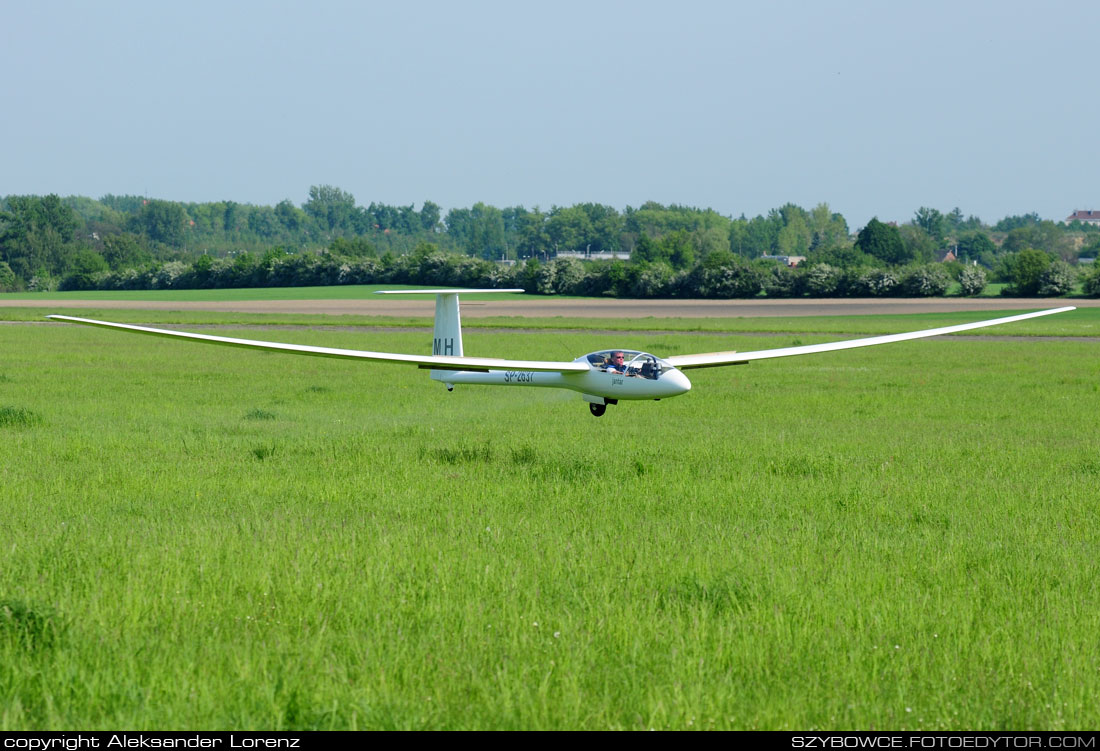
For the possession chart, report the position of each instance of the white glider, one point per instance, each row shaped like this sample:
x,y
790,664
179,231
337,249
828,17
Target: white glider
x,y
602,378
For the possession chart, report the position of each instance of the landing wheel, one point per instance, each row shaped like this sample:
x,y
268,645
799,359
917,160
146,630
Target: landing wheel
x,y
597,410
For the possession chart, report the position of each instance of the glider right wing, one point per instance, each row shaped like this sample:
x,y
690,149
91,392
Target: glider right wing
x,y
716,359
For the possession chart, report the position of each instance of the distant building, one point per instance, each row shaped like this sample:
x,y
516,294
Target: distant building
x,y
602,255
1085,217
946,256
790,261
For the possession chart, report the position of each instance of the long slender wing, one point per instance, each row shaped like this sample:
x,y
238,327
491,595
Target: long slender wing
x,y
715,359
430,362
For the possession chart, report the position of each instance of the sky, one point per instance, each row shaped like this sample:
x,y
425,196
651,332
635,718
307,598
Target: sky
x,y
876,108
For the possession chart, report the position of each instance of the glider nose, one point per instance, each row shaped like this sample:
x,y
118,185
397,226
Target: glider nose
x,y
676,382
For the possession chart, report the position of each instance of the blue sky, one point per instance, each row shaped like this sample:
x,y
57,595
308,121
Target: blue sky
x,y
874,107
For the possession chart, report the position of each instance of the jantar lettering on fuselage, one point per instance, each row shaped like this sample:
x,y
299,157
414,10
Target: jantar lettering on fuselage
x,y
443,346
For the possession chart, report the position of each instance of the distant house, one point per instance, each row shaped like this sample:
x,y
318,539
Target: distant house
x,y
603,255
946,256
1085,217
790,261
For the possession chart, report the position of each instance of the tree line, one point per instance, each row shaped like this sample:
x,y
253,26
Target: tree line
x,y
130,242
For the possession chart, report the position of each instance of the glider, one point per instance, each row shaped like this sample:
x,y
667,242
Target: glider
x,y
602,378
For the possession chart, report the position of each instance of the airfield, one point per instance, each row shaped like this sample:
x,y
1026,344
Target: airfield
x,y
549,307
898,537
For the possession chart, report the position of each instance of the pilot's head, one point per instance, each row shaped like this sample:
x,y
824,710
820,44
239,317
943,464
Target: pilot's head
x,y
616,358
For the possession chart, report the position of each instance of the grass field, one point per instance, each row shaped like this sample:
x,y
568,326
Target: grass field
x,y
1079,323
896,537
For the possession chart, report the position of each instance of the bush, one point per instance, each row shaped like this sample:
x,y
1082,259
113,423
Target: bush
x,y
881,282
875,283
783,281
561,276
931,280
169,275
1027,268
823,280
1092,282
652,280
8,280
731,277
1059,279
736,280
88,268
972,280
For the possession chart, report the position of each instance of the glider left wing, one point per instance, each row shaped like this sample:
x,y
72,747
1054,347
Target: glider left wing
x,y
430,362
716,359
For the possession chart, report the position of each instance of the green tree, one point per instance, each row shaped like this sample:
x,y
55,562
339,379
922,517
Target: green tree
x,y
919,245
531,237
570,229
1091,279
932,222
87,266
290,216
739,233
8,280
230,216
794,237
332,208
973,244
1010,223
1028,270
842,256
828,229
487,231
606,226
1045,235
430,214
478,230
762,235
882,242
357,247
648,250
125,251
163,222
37,235
263,222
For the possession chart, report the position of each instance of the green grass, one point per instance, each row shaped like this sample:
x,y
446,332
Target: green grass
x,y
202,537
1081,322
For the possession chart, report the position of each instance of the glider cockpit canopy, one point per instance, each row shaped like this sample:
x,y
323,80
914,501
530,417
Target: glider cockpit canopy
x,y
635,363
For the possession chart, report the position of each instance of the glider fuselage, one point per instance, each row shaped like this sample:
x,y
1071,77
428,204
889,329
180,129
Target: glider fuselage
x,y
658,380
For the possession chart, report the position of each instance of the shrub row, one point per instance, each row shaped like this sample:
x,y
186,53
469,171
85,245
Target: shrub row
x,y
722,277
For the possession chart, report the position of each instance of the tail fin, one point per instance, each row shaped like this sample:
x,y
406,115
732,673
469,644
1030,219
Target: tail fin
x,y
447,337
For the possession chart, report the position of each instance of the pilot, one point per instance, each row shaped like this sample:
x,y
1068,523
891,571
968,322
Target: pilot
x,y
616,364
